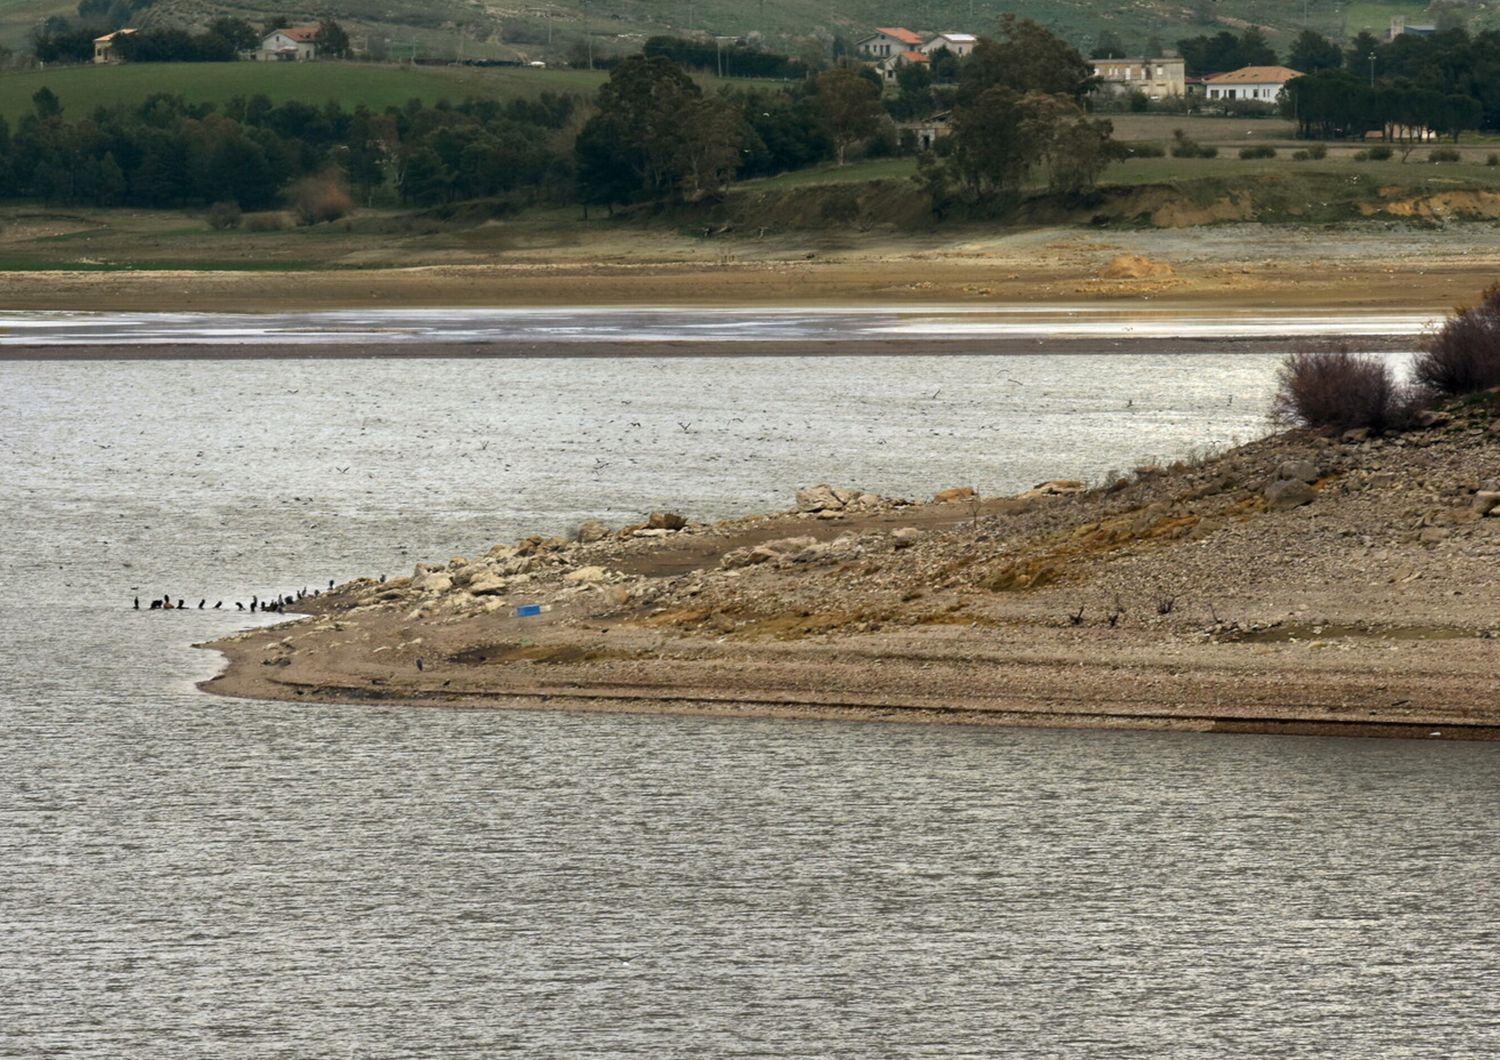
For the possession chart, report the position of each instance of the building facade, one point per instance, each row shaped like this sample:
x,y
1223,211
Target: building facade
x,y
291,44
1156,78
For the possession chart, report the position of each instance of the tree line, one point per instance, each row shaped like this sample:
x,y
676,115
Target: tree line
x,y
652,134
59,40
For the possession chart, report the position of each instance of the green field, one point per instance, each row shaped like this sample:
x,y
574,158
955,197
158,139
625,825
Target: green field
x,y
377,85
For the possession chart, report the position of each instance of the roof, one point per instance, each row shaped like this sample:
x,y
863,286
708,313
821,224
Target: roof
x,y
302,34
1158,61
1255,75
958,38
111,36
905,36
914,57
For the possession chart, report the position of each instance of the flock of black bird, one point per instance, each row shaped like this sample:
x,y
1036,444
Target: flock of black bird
x,y
276,606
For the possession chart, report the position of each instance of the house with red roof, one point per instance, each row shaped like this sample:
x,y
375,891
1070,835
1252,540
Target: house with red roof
x,y
290,44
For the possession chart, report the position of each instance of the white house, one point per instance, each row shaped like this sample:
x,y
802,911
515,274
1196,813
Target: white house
x,y
1258,84
106,48
289,44
960,44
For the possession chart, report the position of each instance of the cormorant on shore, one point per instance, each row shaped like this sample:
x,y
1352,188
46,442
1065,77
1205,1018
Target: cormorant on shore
x,y
137,603
156,605
201,603
180,604
218,605
419,666
330,583
239,605
252,605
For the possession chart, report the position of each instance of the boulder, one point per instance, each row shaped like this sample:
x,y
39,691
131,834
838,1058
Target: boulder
x,y
905,537
1434,534
665,521
1059,486
650,531
488,583
1429,418
458,562
1299,470
1287,494
783,546
1487,502
1355,435
1495,427
585,575
846,497
591,530
432,582
818,499
957,493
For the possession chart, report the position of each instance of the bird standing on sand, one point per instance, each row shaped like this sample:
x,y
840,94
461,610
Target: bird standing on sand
x,y
137,603
419,666
201,603
218,605
239,605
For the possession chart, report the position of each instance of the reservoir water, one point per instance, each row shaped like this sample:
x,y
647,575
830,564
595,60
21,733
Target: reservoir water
x,y
182,875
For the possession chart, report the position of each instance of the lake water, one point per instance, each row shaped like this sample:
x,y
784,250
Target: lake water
x,y
182,875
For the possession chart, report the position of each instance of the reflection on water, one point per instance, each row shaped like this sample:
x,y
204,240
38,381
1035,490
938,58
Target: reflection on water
x,y
582,326
182,875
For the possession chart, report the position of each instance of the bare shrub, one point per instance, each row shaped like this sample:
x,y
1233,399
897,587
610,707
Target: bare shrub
x,y
1444,154
269,221
222,215
1340,390
1464,357
319,198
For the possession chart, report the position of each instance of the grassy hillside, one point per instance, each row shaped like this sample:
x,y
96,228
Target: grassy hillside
x,y
378,85
441,28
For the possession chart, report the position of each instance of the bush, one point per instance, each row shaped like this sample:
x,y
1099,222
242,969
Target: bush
x,y
1444,154
1301,156
1492,160
222,215
1379,153
1142,149
319,198
1184,146
1318,151
1258,151
1464,357
270,221
1339,391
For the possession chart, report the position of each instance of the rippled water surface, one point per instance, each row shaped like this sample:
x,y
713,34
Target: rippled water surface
x,y
188,876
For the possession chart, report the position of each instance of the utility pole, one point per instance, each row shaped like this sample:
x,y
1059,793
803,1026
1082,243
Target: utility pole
x,y
1372,69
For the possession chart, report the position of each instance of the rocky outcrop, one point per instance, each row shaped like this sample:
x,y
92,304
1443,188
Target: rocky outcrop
x,y
1286,494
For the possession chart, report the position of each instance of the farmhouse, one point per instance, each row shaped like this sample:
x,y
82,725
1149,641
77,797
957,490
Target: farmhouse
x,y
290,44
888,42
1258,84
1155,78
105,47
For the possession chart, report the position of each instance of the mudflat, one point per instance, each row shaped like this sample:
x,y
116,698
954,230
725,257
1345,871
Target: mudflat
x,y
1378,266
1298,584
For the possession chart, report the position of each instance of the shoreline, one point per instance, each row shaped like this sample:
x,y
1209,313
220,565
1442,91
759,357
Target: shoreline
x,y
1188,598
997,346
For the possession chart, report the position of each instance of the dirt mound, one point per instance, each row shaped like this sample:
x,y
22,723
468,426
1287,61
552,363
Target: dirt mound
x,y
1135,267
1467,205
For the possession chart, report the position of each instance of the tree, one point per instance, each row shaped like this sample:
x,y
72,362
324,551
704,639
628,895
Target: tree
x,y
849,108
1028,59
1357,58
1312,52
1067,144
332,40
1109,46
987,142
1255,50
46,104
236,32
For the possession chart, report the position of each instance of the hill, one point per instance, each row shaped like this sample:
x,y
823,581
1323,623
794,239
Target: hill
x,y
446,28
